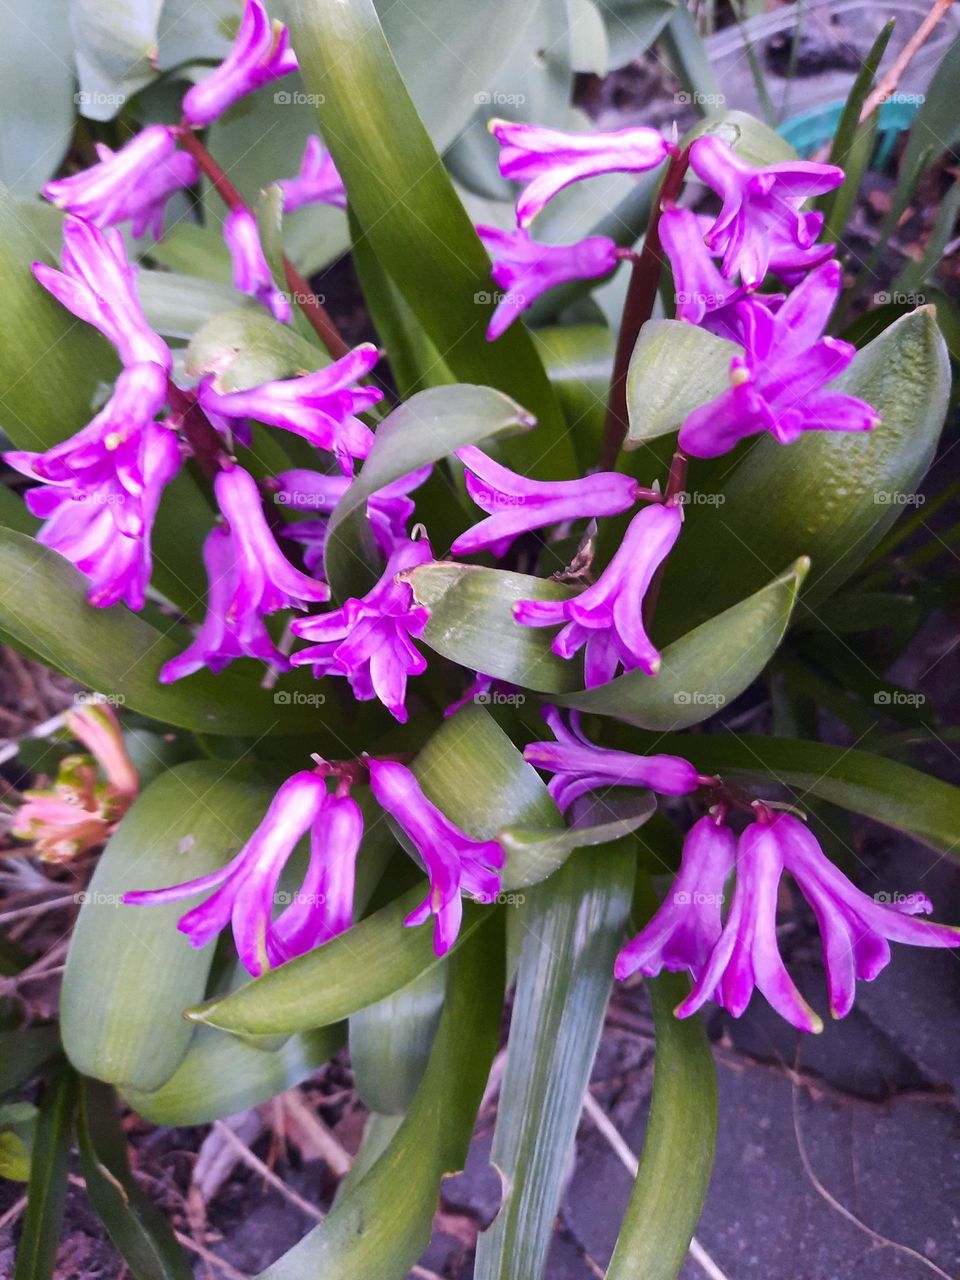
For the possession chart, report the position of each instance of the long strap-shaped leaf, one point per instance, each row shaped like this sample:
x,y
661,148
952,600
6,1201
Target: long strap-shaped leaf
x,y
407,207
381,1226
572,926
47,1188
671,1186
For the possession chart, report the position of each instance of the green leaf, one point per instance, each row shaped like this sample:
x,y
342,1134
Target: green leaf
x,y
222,1075
539,851
43,607
243,348
130,972
836,493
35,128
379,1227
750,138
23,1052
47,1188
404,202
142,1235
177,304
390,1043
116,52
675,368
891,793
707,668
14,1156
671,1186
378,955
572,928
472,622
429,426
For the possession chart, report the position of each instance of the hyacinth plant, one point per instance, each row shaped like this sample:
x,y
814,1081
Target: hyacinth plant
x,y
437,643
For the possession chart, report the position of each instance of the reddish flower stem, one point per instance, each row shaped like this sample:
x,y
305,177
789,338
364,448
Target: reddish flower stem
x,y
203,439
637,310
326,330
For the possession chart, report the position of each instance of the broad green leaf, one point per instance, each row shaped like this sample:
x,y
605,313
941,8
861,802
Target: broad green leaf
x,y
572,928
749,137
705,669
14,514
378,955
221,1075
177,304
404,202
472,622
832,495
882,789
47,1189
116,52
589,48
23,1051
245,347
14,1156
390,1043
579,363
688,56
35,128
539,851
633,25
141,1233
378,1229
667,1198
675,368
378,1132
130,972
429,426
43,607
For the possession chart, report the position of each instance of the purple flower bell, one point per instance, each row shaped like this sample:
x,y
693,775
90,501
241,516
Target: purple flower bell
x,y
321,406
251,271
454,862
98,285
515,505
855,929
132,184
260,54
777,385
525,269
607,618
246,887
684,930
318,181
548,160
370,641
579,765
761,206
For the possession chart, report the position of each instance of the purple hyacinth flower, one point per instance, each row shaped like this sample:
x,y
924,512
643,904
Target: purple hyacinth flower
x,y
321,406
699,286
370,640
453,860
101,525
318,181
98,285
246,887
516,505
579,765
607,617
525,269
388,510
251,271
761,206
855,929
686,927
549,160
260,53
132,184
777,385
